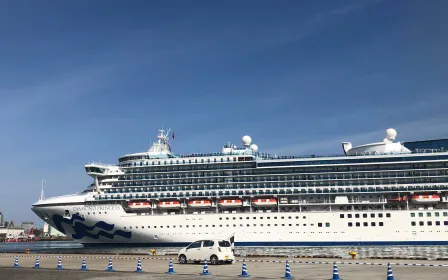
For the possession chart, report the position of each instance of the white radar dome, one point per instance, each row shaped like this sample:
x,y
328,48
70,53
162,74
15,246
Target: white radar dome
x,y
391,134
254,147
246,140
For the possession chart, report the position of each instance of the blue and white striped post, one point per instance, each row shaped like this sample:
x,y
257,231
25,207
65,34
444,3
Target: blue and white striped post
x,y
139,265
16,262
287,272
244,270
205,271
59,263
84,264
110,267
36,265
171,267
390,275
335,272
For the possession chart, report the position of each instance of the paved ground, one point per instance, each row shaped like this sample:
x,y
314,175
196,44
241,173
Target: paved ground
x,y
156,268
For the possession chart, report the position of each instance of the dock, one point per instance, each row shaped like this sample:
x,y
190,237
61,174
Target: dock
x,y
155,267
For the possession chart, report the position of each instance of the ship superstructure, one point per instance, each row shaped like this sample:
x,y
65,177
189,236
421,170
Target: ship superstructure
x,y
380,193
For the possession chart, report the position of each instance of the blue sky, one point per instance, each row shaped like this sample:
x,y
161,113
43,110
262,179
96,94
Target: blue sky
x,y
93,80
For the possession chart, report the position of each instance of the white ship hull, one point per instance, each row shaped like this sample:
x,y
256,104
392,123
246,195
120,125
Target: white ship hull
x,y
110,224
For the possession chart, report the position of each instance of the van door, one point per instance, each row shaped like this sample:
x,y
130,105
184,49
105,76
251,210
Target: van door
x,y
194,251
207,249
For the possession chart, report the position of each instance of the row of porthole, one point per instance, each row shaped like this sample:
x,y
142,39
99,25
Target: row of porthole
x,y
429,223
227,225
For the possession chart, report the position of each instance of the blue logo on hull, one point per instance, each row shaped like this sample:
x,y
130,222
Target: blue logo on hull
x,y
82,230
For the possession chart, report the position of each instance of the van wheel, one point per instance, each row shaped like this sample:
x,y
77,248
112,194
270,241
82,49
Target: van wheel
x,y
182,259
214,260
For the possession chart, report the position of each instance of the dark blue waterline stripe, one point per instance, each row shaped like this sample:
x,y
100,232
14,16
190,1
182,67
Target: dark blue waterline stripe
x,y
281,243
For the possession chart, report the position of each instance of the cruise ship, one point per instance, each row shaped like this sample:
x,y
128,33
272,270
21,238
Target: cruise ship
x,y
375,194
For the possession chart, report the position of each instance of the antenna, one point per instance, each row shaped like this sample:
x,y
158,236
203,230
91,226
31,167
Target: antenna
x,y
44,185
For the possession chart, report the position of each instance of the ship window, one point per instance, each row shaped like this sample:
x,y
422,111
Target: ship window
x,y
429,223
381,224
372,215
373,224
358,224
366,224
412,214
421,223
275,225
428,214
349,215
241,218
356,215
437,223
364,215
254,218
269,218
234,218
247,218
445,214
436,214
413,224
380,215
220,218
261,218
227,218
327,224
269,225
297,217
420,214
341,216
130,227
161,226
319,224
248,225
445,223
124,227
261,225
387,215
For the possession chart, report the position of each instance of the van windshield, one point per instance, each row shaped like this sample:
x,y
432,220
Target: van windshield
x,y
224,244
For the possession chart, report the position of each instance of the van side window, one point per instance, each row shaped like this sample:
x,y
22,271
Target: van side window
x,y
224,244
196,244
208,243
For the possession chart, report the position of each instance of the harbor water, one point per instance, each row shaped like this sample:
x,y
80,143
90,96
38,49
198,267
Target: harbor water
x,y
69,247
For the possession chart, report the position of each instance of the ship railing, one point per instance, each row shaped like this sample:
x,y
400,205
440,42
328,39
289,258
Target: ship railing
x,y
260,192
102,164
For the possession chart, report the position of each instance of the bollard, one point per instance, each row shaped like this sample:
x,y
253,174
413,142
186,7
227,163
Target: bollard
x,y
335,272
390,275
36,265
139,265
287,272
110,267
171,267
244,270
59,263
84,264
205,271
16,262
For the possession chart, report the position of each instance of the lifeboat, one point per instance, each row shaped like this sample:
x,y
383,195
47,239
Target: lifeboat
x,y
139,204
426,198
264,202
199,203
168,204
230,203
397,199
